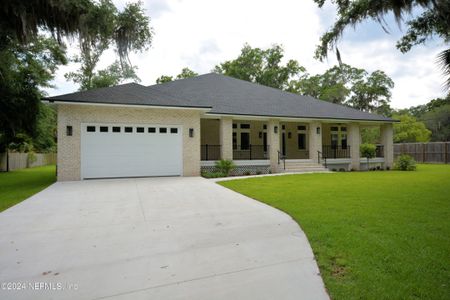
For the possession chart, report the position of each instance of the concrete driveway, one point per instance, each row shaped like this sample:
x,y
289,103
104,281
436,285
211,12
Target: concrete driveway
x,y
152,238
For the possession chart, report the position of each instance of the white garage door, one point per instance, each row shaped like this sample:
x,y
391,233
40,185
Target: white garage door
x,y
112,150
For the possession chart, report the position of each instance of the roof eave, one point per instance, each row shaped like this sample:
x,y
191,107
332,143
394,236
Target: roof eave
x,y
132,105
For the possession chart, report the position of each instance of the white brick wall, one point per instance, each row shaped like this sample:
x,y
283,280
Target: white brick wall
x,y
69,160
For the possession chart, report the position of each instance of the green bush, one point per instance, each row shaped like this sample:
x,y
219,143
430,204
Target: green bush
x,y
225,166
405,163
213,174
368,150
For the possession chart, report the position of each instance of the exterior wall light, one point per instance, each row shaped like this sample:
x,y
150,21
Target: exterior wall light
x,y
69,130
289,135
191,132
318,130
260,135
275,129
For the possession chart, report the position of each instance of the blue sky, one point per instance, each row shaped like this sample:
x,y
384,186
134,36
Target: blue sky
x,y
200,34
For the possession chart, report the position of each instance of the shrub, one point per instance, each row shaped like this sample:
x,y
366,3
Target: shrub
x,y
258,172
225,166
341,170
247,173
213,174
368,151
405,163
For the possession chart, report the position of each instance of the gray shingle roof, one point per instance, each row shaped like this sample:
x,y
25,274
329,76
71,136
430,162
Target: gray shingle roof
x,y
224,95
129,94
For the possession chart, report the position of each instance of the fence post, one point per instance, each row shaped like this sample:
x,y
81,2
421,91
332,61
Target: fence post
x,y
206,151
423,152
446,152
250,151
7,159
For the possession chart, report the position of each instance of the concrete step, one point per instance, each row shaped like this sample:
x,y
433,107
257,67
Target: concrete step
x,y
292,167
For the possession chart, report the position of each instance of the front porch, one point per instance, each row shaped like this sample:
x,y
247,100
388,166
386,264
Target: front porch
x,y
268,145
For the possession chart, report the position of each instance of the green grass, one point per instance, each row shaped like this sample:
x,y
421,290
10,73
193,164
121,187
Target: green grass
x,y
375,235
16,186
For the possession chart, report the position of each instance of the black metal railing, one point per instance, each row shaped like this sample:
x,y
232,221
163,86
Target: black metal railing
x,y
321,158
250,152
282,158
210,152
379,151
330,151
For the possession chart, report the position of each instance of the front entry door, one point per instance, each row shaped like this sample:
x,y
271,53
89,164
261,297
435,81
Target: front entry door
x,y
283,143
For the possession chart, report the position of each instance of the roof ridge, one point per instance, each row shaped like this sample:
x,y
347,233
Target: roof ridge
x,y
96,89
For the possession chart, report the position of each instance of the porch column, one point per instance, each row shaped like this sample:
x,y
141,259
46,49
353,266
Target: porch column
x,y
226,138
315,140
387,140
273,139
354,141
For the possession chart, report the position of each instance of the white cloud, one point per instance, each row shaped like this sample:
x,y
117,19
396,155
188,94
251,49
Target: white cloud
x,y
200,34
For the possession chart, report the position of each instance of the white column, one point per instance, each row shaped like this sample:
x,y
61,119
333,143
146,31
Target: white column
x,y
354,141
273,140
226,138
387,140
315,140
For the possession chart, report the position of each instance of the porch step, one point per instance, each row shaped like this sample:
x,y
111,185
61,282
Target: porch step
x,y
302,166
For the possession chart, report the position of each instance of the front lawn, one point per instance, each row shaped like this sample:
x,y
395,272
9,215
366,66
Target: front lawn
x,y
16,186
375,235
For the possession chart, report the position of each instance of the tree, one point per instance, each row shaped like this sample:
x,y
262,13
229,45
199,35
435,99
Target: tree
x,y
419,110
45,137
372,93
433,21
21,21
262,66
128,30
438,121
185,73
348,85
368,151
409,130
334,85
25,69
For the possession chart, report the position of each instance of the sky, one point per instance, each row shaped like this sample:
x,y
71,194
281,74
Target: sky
x,y
200,34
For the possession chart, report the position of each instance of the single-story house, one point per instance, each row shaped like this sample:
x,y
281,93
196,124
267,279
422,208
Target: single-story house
x,y
181,128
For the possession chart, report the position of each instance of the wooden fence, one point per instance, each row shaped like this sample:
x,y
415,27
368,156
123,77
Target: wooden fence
x,y
22,160
435,152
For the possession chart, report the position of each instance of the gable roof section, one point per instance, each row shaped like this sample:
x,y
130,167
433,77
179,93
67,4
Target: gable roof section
x,y
124,94
223,95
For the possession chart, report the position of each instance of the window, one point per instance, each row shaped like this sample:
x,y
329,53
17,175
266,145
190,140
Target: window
x,y
116,129
103,128
173,130
343,128
344,140
283,127
264,126
301,127
245,140
162,130
151,130
90,129
334,128
234,125
245,126
265,141
234,140
128,129
140,129
334,140
301,141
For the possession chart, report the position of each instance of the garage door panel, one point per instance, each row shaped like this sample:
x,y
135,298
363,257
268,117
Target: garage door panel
x,y
121,154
